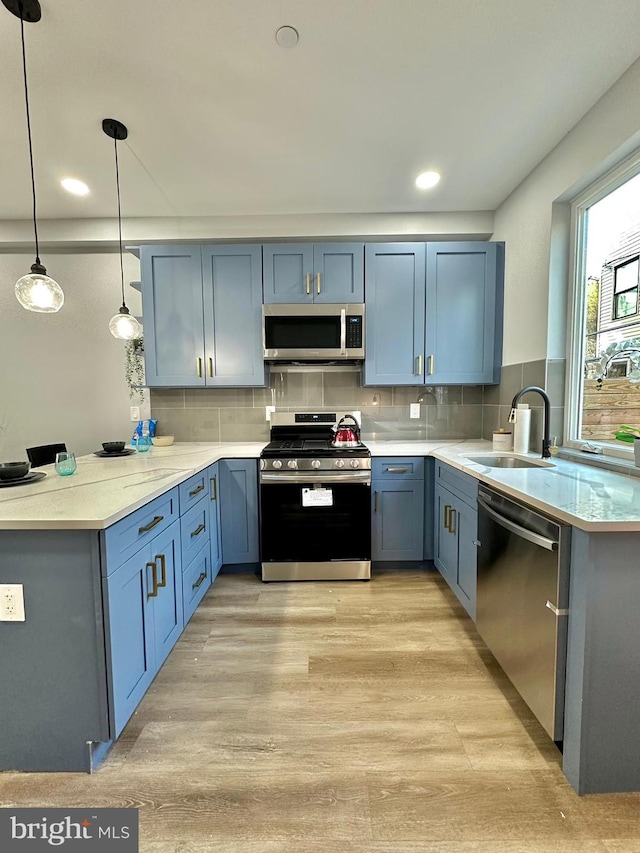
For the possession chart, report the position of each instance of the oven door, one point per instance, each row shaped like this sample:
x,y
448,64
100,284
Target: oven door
x,y
307,522
313,332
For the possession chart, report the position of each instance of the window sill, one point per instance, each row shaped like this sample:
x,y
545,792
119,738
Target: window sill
x,y
600,460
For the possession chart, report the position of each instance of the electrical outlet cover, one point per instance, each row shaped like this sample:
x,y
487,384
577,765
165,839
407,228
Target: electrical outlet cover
x,y
11,602
414,410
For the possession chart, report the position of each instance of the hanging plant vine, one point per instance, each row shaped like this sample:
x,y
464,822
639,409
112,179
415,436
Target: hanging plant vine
x,y
134,369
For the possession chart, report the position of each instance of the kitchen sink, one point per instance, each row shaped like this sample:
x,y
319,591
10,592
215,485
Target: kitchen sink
x,y
509,462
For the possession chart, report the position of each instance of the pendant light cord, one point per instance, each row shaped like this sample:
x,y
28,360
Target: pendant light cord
x,y
26,98
115,147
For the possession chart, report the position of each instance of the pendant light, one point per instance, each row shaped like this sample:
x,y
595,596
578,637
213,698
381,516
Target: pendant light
x,y
35,291
122,325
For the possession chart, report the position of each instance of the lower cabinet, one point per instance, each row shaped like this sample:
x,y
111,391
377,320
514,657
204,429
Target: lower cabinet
x,y
196,580
456,530
214,519
239,510
398,509
143,620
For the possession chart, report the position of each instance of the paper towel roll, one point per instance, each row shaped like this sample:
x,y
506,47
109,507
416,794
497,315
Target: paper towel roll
x,y
522,429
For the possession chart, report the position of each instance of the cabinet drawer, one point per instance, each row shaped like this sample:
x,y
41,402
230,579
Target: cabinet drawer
x,y
192,490
196,580
461,484
128,535
194,530
398,468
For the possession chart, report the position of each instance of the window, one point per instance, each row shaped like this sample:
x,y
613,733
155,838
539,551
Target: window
x,y
604,356
626,289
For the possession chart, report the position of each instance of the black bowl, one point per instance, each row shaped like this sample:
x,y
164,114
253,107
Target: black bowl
x,y
14,470
113,446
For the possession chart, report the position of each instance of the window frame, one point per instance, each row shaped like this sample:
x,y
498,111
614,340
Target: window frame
x,y
634,287
612,180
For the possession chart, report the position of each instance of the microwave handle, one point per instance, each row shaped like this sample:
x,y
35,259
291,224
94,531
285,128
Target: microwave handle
x,y
343,331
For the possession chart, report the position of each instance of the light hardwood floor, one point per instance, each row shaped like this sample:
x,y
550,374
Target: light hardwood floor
x,y
338,718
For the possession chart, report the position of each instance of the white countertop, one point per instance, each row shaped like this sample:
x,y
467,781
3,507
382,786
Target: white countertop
x,y
102,491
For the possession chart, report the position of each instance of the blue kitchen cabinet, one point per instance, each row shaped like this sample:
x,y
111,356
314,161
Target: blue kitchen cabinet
x,y
144,620
397,531
456,531
214,519
232,288
329,273
202,315
434,313
173,315
239,510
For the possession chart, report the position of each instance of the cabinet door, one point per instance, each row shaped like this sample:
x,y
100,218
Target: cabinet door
x,y
239,510
338,272
395,300
130,636
232,283
166,605
288,272
172,315
398,513
466,523
462,288
214,520
446,541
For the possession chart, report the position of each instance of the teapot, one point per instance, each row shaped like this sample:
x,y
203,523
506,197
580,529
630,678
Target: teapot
x,y
346,435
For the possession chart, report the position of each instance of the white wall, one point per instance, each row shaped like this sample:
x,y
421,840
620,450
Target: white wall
x,y
62,376
606,134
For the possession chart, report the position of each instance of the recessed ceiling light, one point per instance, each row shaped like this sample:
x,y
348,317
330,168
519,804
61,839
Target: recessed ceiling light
x,y
427,180
72,185
287,36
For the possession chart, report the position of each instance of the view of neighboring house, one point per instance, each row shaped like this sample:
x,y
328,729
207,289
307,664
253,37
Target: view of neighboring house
x,y
618,304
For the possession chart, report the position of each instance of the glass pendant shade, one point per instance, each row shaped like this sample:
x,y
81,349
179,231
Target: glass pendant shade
x,y
124,327
36,291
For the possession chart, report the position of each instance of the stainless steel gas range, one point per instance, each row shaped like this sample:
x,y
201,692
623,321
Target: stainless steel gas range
x,y
315,502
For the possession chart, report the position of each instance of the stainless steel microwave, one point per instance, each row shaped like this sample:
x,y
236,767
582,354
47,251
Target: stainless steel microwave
x,y
313,332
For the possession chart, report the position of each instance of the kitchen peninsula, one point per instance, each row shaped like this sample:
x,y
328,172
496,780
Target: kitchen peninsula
x,y
57,538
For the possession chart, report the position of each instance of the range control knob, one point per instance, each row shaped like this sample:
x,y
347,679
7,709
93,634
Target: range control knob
x,y
315,463
339,463
292,463
277,463
355,463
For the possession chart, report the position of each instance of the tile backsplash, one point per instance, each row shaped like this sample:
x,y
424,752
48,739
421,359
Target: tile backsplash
x,y
446,412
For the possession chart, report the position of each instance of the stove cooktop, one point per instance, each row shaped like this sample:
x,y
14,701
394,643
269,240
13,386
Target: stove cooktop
x,y
294,447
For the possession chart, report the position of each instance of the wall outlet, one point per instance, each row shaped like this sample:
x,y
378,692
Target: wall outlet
x,y
11,602
414,410
134,413
269,411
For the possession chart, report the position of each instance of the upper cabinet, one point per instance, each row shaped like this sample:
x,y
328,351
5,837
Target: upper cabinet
x,y
322,273
434,313
202,315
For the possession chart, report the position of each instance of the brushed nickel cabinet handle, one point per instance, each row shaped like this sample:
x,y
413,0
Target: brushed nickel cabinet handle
x,y
210,360
397,470
214,488
419,365
154,576
199,366
432,364
452,518
147,527
445,519
308,279
196,491
198,530
199,581
318,282
163,569
376,501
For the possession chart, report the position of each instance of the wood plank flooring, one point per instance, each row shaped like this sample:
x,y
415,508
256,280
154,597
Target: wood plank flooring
x,y
338,718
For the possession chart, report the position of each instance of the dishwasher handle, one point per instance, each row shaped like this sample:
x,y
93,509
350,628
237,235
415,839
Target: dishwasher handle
x,y
518,530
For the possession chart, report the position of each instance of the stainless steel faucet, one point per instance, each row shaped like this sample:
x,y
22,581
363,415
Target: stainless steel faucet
x,y
547,414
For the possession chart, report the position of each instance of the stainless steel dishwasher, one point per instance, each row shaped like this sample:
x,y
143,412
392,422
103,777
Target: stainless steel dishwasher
x,y
523,594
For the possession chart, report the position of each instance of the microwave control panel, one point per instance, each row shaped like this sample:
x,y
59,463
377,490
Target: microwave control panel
x,y
354,331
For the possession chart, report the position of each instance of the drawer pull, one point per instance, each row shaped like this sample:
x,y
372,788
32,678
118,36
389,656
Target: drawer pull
x,y
163,569
154,576
396,470
199,581
198,530
214,488
452,518
196,491
147,527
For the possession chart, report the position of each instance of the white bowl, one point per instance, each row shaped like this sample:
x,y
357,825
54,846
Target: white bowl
x,y
162,440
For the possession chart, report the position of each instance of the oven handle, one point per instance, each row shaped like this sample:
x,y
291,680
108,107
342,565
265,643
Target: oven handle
x,y
325,477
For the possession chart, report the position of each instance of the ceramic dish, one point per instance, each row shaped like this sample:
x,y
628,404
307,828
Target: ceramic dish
x,y
14,470
31,477
162,440
103,453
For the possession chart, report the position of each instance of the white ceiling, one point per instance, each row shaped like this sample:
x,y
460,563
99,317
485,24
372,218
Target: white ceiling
x,y
224,121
